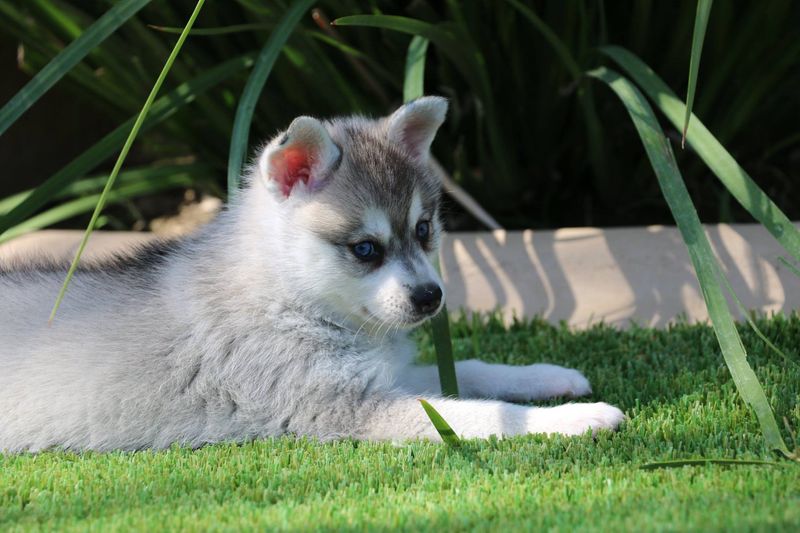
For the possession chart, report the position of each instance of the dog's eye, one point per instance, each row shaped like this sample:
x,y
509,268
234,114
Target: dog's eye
x,y
423,230
366,251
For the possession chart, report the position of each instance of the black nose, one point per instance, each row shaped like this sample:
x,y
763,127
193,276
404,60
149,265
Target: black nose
x,y
426,298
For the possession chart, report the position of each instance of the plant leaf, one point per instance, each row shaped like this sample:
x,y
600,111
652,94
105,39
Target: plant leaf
x,y
442,427
252,90
672,186
124,153
720,161
66,59
700,23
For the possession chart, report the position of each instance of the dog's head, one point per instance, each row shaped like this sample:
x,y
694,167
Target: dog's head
x,y
358,211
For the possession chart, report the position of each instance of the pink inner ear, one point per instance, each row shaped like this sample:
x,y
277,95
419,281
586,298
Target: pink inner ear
x,y
414,135
290,166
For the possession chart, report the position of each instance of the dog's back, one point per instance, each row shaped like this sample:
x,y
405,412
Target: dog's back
x,y
56,378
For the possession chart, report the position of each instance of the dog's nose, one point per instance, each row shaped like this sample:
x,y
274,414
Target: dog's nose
x,y
426,298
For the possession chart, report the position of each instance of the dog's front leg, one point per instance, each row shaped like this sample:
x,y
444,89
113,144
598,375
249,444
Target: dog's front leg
x,y
403,418
477,379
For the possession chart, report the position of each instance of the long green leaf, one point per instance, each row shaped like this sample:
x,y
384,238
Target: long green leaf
x,y
442,427
700,23
161,109
720,161
662,159
255,84
68,58
124,153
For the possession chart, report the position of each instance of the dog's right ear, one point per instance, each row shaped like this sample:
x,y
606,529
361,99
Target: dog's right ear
x,y
415,124
305,154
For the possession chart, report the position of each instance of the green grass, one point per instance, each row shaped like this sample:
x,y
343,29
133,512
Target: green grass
x,y
672,383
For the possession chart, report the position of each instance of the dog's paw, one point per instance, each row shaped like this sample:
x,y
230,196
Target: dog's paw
x,y
576,418
543,381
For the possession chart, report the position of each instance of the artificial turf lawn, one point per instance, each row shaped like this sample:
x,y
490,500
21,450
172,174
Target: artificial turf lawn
x,y
672,384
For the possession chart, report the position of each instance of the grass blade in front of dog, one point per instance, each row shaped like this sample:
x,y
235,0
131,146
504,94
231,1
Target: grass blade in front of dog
x,y
124,152
680,204
442,427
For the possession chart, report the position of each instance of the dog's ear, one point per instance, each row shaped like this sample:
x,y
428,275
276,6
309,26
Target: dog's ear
x,y
414,125
305,153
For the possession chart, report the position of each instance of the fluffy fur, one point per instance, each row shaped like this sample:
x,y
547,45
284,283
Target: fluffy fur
x,y
266,323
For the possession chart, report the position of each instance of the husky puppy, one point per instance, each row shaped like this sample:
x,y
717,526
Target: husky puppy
x,y
287,315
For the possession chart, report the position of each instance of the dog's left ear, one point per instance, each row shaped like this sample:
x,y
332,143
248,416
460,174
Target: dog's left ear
x,y
414,125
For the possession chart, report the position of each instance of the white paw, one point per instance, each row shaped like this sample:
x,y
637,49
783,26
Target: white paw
x,y
543,381
575,418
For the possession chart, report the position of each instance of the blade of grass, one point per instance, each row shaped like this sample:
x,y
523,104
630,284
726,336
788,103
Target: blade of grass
x,y
662,159
161,109
68,58
124,153
252,90
442,427
719,160
700,23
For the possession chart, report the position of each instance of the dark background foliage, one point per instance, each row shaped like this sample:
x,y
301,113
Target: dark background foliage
x,y
546,170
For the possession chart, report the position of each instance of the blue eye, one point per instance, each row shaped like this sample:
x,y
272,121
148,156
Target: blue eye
x,y
366,251
423,230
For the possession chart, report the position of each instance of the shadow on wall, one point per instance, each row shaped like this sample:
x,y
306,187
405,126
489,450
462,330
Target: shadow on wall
x,y
587,275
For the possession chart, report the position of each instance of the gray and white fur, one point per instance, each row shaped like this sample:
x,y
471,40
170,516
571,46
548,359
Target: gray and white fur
x,y
268,321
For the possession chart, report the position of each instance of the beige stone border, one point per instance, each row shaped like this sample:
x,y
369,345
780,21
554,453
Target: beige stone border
x,y
579,275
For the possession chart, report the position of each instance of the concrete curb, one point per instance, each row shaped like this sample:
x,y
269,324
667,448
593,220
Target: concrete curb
x,y
578,275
